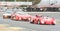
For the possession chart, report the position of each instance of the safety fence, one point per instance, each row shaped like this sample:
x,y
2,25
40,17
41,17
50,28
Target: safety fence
x,y
48,9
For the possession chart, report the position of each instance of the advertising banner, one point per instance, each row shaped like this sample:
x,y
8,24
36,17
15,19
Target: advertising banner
x,y
15,3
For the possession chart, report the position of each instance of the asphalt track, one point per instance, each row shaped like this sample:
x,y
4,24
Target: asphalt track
x,y
33,27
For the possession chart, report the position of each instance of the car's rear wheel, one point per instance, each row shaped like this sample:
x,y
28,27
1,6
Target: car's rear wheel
x,y
31,21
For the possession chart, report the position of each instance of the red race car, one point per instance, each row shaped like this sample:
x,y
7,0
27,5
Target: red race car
x,y
43,20
21,16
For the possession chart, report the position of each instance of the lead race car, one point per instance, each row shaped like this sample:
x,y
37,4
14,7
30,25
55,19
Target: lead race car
x,y
21,16
43,20
7,14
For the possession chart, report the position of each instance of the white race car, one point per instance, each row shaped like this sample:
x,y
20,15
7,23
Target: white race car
x,y
7,14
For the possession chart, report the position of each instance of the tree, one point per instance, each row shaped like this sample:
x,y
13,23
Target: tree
x,y
9,0
36,2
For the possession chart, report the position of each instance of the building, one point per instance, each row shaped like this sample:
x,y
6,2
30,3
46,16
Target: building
x,y
14,4
51,5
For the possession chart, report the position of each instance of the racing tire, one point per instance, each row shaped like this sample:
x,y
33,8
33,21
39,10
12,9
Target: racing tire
x,y
53,24
32,22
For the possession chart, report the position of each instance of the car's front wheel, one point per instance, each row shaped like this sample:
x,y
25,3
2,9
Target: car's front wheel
x,y
31,21
53,23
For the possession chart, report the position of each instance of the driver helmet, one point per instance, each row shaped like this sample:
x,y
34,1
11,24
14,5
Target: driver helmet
x,y
36,15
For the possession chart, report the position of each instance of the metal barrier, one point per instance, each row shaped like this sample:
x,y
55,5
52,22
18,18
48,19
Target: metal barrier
x,y
48,9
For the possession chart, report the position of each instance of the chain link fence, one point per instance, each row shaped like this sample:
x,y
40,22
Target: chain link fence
x,y
30,9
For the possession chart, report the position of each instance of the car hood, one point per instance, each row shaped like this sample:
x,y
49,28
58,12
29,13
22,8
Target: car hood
x,y
6,14
47,19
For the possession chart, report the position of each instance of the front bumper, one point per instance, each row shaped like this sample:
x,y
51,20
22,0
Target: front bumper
x,y
5,16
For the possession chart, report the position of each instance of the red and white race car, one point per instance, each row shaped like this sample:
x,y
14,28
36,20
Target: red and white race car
x,y
21,16
43,20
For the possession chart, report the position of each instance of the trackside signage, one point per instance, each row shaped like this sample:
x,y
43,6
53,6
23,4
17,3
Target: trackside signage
x,y
15,3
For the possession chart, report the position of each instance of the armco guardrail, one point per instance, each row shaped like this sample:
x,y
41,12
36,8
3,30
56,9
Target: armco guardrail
x,y
51,14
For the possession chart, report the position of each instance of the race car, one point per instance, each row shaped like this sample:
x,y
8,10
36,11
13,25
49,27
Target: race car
x,y
7,14
21,16
43,20
15,12
34,19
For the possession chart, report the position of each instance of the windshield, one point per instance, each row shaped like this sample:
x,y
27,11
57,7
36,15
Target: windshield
x,y
18,10
9,11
